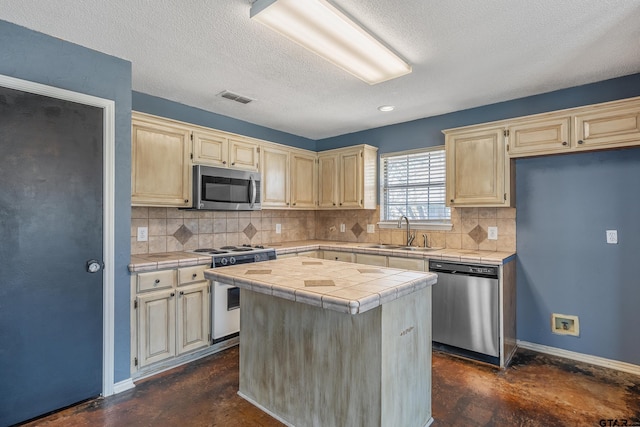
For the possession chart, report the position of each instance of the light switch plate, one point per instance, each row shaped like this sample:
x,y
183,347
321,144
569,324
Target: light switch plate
x,y
492,233
278,228
612,237
143,234
371,228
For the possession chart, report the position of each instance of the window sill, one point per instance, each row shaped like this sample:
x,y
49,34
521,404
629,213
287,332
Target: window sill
x,y
418,225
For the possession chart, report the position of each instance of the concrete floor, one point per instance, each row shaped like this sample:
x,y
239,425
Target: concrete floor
x,y
537,390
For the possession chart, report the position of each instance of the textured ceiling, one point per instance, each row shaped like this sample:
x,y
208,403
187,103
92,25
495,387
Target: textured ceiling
x,y
464,54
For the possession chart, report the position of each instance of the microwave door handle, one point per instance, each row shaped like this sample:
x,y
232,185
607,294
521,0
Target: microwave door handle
x,y
252,191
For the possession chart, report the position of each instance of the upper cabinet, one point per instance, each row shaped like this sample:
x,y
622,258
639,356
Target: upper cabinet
x,y
595,127
347,178
221,149
160,162
289,178
478,171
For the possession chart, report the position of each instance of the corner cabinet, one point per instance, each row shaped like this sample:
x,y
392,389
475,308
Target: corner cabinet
x,y
478,170
160,162
170,316
347,178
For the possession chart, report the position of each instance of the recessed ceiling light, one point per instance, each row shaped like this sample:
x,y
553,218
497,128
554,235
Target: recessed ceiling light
x,y
386,108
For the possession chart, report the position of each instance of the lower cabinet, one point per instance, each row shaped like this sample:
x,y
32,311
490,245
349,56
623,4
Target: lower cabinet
x,y
171,314
368,259
339,256
414,264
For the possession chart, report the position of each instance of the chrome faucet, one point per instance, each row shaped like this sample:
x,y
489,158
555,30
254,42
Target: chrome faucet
x,y
410,236
426,240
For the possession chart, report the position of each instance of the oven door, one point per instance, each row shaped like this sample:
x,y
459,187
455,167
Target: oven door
x,y
226,311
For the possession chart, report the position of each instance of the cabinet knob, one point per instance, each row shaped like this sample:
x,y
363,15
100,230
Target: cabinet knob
x,y
233,164
340,204
172,294
564,142
157,281
334,204
287,203
224,162
451,200
181,293
186,200
580,142
194,275
294,204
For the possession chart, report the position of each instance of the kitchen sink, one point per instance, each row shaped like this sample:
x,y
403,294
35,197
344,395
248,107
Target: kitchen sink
x,y
414,248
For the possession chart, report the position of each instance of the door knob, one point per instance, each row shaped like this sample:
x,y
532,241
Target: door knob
x,y
93,266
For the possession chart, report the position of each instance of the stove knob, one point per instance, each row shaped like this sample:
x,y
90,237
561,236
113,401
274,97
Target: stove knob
x,y
256,257
232,260
223,261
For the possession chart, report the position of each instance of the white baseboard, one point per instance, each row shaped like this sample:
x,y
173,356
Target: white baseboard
x,y
124,385
581,357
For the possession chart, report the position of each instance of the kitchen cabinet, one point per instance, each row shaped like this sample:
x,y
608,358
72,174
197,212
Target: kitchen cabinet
x,y
611,125
338,256
160,162
310,254
546,135
347,178
171,314
478,171
289,178
275,177
368,259
414,264
222,149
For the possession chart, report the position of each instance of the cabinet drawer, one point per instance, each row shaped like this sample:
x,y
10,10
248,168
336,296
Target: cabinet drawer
x,y
191,274
339,256
378,260
156,280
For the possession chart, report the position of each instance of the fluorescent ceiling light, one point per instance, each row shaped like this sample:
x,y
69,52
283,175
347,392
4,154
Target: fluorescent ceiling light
x,y
323,29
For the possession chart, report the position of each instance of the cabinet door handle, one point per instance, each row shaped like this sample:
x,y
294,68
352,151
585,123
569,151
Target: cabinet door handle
x,y
194,275
564,142
157,281
181,293
580,142
233,164
173,294
186,200
224,162
294,204
451,200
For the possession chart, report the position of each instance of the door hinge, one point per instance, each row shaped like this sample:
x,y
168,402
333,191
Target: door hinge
x,y
135,361
507,147
258,150
191,156
506,132
135,304
191,136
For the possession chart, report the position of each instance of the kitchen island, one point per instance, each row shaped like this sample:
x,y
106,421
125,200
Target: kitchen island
x,y
328,343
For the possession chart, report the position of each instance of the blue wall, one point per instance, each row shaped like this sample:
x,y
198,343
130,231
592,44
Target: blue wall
x,y
564,205
173,110
36,57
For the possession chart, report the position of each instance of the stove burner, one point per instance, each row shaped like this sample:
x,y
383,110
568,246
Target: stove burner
x,y
241,249
217,252
204,250
228,247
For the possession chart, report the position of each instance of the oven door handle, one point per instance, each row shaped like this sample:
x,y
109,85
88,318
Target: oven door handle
x,y
252,191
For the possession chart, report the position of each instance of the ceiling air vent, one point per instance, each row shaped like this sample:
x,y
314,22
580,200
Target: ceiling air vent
x,y
235,97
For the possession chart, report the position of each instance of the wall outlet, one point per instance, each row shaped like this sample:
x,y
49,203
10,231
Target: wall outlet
x,y
612,237
278,228
492,233
564,324
343,228
371,228
143,234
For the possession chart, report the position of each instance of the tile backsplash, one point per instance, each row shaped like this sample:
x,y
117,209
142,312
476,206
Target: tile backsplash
x,y
172,229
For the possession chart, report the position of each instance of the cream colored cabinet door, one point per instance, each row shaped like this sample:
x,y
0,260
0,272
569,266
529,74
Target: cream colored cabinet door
x,y
275,177
160,163
304,180
351,176
545,136
328,180
156,326
476,162
368,259
338,256
193,319
607,128
243,154
407,263
210,148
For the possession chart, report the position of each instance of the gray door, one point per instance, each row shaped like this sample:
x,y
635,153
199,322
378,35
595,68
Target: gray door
x,y
50,225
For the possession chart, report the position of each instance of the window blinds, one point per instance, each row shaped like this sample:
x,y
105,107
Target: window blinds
x,y
414,185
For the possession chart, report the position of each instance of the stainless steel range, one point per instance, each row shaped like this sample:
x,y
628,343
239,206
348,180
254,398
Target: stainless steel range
x,y
225,298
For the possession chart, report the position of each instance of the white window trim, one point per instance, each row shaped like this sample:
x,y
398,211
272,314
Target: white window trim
x,y
433,225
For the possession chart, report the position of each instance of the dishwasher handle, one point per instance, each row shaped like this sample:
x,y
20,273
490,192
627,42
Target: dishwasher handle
x,y
476,270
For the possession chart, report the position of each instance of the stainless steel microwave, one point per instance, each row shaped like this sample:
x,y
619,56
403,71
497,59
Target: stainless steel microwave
x,y
222,189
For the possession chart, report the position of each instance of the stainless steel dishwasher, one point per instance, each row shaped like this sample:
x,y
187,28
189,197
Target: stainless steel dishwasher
x,y
466,309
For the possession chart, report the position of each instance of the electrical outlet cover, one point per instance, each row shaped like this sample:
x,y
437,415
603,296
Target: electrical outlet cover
x,y
371,228
143,234
492,233
278,228
612,237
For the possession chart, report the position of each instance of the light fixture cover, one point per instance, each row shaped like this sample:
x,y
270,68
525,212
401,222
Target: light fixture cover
x,y
321,28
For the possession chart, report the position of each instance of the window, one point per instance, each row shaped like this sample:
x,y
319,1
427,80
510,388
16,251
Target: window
x,y
413,184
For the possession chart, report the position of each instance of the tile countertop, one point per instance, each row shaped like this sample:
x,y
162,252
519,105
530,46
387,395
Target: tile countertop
x,y
333,285
484,257
159,261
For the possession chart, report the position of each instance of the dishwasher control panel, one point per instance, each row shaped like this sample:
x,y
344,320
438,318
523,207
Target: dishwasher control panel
x,y
490,271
